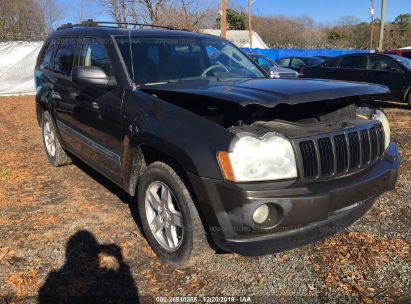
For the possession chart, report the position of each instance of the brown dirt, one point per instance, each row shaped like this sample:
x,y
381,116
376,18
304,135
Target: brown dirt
x,y
72,230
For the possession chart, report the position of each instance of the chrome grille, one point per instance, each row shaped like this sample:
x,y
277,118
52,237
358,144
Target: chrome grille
x,y
340,154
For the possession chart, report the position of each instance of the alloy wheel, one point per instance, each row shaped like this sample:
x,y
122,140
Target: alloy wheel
x,y
49,139
164,216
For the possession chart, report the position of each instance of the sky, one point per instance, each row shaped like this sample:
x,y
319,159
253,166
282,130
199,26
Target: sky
x,y
322,11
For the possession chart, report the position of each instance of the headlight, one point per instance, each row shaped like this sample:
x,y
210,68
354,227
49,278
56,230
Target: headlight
x,y
380,116
270,157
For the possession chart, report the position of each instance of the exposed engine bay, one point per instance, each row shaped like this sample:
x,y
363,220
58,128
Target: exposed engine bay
x,y
291,120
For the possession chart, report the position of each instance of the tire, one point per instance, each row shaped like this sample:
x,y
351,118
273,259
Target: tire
x,y
190,242
409,100
55,153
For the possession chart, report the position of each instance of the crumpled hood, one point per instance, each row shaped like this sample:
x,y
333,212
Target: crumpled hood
x,y
268,92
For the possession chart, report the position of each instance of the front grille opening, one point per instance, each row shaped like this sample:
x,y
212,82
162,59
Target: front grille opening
x,y
341,151
309,158
381,138
365,145
354,142
326,156
374,144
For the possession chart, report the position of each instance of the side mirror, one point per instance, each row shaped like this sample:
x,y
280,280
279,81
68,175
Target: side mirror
x,y
266,68
92,76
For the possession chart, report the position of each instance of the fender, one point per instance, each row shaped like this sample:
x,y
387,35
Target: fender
x,y
191,140
44,98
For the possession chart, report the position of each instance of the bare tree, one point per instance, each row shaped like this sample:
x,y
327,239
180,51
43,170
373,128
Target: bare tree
x,y
153,9
29,19
189,14
118,9
51,13
81,12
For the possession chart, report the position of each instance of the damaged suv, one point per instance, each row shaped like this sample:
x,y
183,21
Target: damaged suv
x,y
214,150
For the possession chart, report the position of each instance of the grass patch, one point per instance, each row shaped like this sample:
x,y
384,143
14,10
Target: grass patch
x,y
4,172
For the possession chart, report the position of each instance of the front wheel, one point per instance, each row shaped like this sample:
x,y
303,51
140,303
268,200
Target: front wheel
x,y
169,217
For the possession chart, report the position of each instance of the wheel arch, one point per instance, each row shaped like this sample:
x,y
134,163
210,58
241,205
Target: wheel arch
x,y
40,109
138,156
407,94
145,154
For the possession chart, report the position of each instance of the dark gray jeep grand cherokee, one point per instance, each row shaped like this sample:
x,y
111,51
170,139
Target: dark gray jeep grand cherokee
x,y
214,150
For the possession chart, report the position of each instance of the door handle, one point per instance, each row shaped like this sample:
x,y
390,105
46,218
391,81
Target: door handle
x,y
95,105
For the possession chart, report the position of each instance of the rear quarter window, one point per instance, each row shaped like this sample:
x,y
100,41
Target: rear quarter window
x,y
47,55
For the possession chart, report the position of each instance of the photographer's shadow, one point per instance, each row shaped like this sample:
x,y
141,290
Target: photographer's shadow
x,y
92,273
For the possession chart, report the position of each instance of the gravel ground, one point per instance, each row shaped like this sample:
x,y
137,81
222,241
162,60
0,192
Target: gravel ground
x,y
69,229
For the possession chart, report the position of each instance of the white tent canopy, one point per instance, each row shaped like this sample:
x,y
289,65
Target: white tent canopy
x,y
17,62
240,38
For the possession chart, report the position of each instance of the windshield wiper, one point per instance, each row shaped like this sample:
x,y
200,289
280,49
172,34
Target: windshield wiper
x,y
163,82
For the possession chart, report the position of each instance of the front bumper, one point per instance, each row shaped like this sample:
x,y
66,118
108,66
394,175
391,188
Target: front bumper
x,y
309,212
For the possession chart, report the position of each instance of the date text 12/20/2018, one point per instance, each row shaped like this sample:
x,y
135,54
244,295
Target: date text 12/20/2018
x,y
205,299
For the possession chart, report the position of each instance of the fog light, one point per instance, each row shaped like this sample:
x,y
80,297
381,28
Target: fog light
x,y
260,214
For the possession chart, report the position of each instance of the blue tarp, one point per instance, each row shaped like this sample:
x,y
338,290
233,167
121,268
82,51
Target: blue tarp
x,y
281,53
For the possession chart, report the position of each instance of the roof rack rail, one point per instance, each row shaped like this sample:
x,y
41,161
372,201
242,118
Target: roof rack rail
x,y
92,23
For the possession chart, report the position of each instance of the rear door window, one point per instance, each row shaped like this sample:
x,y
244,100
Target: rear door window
x,y
353,62
379,63
297,63
332,63
94,53
47,56
63,61
284,62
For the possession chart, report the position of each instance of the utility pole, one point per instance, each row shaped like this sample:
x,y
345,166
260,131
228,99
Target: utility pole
x,y
223,13
372,25
250,30
381,38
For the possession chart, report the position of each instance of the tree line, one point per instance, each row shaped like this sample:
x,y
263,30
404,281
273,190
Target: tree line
x,y
279,31
187,14
29,18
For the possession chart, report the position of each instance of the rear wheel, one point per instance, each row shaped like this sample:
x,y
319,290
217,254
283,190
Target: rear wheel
x,y
55,153
169,217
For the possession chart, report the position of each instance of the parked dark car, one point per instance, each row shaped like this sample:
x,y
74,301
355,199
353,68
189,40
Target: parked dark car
x,y
401,52
298,63
324,57
389,70
211,147
271,67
